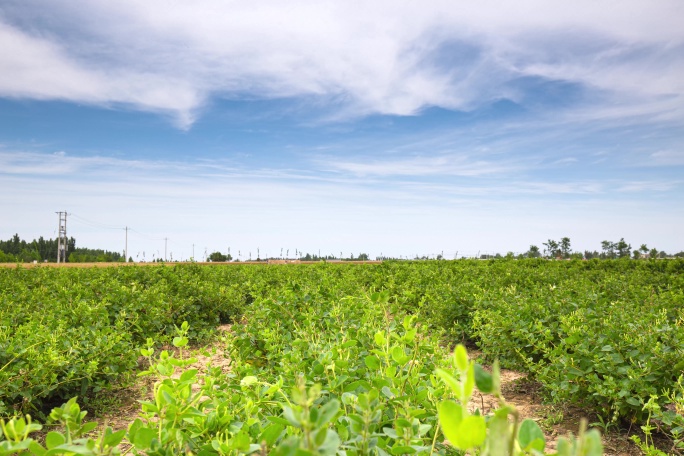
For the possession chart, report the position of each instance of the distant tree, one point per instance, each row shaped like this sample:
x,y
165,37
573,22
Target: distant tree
x,y
219,257
552,248
533,252
363,257
622,248
653,253
565,247
589,254
608,249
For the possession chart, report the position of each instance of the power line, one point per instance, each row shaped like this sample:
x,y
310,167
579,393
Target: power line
x,y
146,236
85,221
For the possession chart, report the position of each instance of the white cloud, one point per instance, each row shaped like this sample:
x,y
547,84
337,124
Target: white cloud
x,y
441,165
215,204
666,158
364,57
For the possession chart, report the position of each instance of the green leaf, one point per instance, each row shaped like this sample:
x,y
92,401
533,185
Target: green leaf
x,y
461,358
403,450
349,343
472,432
331,444
290,416
54,439
328,412
143,438
180,341
483,380
530,436
88,427
249,380
499,438
188,375
271,433
387,392
633,401
450,417
372,362
469,384
112,439
451,382
390,432
592,443
398,354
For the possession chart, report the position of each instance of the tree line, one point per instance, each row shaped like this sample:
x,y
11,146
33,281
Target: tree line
x,y
17,250
609,251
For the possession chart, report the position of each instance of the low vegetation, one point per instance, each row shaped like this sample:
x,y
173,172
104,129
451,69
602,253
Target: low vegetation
x,y
340,358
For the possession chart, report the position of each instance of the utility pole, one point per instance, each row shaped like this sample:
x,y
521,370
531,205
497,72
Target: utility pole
x,y
126,249
62,238
193,252
165,243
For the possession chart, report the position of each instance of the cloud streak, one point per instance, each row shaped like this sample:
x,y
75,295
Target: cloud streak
x,y
357,58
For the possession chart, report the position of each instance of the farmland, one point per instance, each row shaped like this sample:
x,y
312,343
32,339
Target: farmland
x,y
329,356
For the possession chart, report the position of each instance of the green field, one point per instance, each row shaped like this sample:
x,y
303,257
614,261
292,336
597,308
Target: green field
x,y
341,357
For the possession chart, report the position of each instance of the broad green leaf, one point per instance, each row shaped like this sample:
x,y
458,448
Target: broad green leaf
x,y
461,358
450,417
592,443
499,437
454,384
54,439
328,412
331,444
112,439
249,380
469,383
290,416
403,450
530,436
372,362
483,379
143,438
188,375
350,343
398,354
472,431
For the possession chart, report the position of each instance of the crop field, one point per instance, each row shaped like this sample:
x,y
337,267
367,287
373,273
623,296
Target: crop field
x,y
348,359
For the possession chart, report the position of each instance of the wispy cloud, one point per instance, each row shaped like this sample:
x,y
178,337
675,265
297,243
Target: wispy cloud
x,y
443,165
667,158
358,57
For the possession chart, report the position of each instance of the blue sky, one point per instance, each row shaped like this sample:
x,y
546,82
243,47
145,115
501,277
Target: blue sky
x,y
381,127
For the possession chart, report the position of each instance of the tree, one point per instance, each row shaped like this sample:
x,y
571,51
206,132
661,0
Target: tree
x,y
218,257
608,249
552,248
622,248
565,247
533,252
